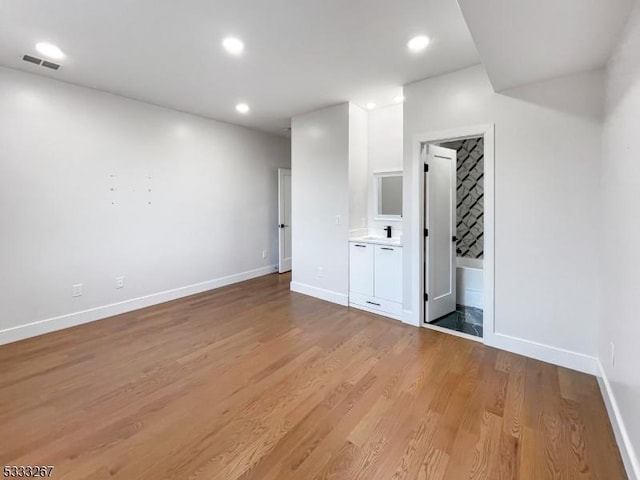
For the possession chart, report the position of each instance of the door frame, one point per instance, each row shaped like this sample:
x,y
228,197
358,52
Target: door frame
x,y
487,131
281,231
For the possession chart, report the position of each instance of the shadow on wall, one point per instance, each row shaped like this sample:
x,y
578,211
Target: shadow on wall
x,y
623,67
565,95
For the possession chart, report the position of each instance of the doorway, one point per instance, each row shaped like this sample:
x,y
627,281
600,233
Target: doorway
x,y
457,276
284,220
464,312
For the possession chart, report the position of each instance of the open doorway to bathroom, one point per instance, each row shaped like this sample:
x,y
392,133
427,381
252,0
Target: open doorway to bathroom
x,y
467,318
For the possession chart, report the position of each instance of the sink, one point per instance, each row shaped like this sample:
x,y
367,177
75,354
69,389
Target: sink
x,y
377,239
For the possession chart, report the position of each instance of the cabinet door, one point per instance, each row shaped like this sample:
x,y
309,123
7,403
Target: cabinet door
x,y
361,268
388,273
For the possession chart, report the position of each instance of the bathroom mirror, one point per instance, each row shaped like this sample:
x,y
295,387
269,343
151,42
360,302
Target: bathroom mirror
x,y
387,195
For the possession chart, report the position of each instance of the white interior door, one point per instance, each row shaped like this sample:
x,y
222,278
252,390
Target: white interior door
x,y
440,222
284,220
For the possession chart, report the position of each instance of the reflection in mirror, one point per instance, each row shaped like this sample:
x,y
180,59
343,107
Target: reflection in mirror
x,y
388,195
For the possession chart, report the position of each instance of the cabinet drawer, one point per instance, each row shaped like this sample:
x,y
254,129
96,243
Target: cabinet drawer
x,y
361,268
375,303
388,273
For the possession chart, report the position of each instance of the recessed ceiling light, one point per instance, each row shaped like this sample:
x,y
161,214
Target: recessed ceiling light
x,y
370,105
242,108
49,50
398,98
233,45
419,43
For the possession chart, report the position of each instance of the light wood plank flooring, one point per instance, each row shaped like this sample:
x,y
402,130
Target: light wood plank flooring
x,y
254,382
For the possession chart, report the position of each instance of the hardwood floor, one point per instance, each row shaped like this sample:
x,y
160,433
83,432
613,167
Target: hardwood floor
x,y
254,382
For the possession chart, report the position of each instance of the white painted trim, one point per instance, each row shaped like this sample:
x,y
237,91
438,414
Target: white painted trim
x,y
98,313
321,293
546,353
629,456
410,318
377,174
376,312
417,191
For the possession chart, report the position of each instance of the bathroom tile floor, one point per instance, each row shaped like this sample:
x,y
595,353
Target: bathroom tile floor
x,y
464,319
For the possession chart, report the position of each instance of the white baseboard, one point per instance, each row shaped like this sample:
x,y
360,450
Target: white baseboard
x,y
546,353
321,293
410,318
77,318
629,456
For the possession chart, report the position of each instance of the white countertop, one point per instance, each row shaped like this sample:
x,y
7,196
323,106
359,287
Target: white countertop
x,y
395,242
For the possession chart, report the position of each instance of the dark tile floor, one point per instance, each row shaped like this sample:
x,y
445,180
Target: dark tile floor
x,y
464,319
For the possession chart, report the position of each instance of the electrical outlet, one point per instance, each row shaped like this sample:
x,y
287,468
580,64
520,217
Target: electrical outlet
x,y
76,290
320,272
264,254
613,354
119,282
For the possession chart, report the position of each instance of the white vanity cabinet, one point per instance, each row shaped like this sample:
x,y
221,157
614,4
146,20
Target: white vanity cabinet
x,y
361,258
387,277
375,277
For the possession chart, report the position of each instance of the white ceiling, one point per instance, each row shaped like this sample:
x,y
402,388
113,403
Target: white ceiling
x,y
300,54
524,41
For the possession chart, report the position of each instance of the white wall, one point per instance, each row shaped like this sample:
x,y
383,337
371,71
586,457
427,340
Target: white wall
x,y
320,194
384,153
358,170
213,209
547,155
620,237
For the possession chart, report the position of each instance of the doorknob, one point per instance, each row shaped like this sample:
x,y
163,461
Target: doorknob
x,y
282,225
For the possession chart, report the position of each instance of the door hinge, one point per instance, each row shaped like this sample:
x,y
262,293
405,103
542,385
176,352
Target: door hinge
x,y
426,297
426,232
426,167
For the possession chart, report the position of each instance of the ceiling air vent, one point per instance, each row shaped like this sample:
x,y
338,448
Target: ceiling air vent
x,y
52,65
41,62
29,58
